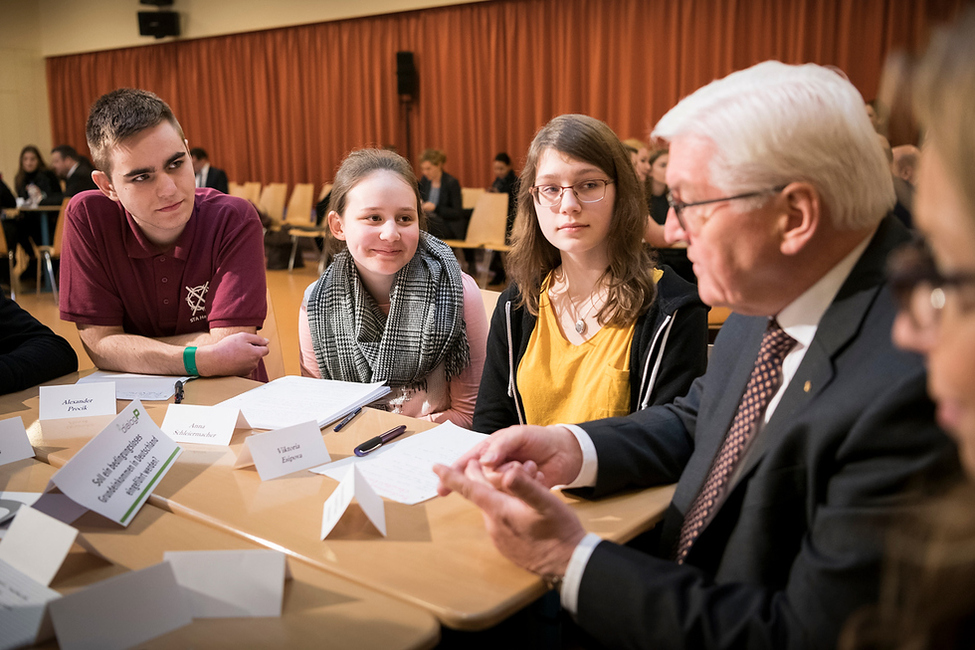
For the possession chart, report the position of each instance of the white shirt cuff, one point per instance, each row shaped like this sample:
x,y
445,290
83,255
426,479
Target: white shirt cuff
x,y
572,581
590,464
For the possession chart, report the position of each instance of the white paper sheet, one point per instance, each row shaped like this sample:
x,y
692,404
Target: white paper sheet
x,y
228,584
122,611
37,544
14,442
22,605
290,400
402,471
134,386
353,485
53,504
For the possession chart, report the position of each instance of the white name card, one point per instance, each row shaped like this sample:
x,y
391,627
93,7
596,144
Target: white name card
x,y
121,612
117,470
280,452
22,605
14,442
208,425
353,485
228,584
77,400
37,544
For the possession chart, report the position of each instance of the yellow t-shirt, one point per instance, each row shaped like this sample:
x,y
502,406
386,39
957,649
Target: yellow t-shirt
x,y
564,383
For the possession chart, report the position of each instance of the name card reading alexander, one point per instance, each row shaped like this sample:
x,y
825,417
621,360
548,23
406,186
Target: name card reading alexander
x,y
14,442
228,584
116,471
208,425
121,612
283,451
353,485
37,544
77,400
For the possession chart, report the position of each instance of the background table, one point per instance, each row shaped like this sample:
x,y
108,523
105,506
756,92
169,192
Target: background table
x,y
437,554
320,610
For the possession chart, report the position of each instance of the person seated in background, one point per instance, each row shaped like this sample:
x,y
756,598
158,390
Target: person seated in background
x,y
160,277
808,433
927,599
904,191
906,158
393,306
588,328
30,353
34,185
442,200
640,159
506,182
206,174
73,169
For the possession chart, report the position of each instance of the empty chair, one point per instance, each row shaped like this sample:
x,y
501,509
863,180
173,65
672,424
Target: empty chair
x,y
271,203
47,254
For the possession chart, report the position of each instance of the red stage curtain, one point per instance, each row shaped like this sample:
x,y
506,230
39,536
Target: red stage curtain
x,y
287,104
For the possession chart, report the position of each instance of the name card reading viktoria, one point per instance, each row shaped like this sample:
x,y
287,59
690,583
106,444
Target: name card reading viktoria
x,y
287,450
116,471
207,425
77,400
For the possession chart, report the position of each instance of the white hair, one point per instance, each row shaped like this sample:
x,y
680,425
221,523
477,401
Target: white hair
x,y
773,124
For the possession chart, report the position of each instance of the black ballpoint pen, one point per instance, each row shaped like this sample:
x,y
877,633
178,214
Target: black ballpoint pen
x,y
347,419
375,443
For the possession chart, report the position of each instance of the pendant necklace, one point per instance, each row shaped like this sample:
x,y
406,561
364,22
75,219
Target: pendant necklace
x,y
580,320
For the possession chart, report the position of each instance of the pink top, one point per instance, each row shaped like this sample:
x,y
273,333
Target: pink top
x,y
442,400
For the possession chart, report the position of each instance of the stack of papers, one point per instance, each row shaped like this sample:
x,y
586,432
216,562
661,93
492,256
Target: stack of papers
x,y
291,400
133,386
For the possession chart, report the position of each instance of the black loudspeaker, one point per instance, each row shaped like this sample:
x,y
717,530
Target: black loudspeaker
x,y
406,77
158,23
157,3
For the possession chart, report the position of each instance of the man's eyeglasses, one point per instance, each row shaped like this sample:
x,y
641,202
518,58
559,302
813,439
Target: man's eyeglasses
x,y
591,191
694,227
921,289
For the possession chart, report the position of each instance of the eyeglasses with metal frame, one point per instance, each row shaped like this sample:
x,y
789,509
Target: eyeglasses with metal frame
x,y
588,191
679,206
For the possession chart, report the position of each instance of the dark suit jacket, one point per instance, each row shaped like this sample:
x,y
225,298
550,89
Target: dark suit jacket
x,y
449,221
79,181
217,179
796,545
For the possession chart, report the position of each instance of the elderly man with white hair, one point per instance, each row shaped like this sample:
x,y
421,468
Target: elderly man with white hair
x,y
807,433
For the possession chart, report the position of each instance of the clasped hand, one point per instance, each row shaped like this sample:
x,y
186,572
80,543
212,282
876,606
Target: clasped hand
x,y
508,477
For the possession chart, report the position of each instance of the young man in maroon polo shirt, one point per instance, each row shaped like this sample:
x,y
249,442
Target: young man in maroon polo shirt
x,y
160,277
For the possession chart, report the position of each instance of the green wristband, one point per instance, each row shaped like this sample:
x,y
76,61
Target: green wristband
x,y
189,360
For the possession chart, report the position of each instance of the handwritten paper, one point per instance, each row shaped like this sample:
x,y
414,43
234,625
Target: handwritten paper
x,y
134,386
402,471
121,612
22,605
280,452
354,484
208,425
116,471
37,544
14,442
227,584
291,400
77,400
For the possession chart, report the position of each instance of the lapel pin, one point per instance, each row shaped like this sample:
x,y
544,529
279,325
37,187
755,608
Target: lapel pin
x,y
807,386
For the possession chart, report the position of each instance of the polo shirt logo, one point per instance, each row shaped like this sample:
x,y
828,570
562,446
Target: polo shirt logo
x,y
196,297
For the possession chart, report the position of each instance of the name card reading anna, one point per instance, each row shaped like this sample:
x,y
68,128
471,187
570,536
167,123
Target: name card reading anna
x,y
77,400
116,471
14,442
208,425
284,451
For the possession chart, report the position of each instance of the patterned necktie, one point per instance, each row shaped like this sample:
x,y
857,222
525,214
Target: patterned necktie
x,y
762,385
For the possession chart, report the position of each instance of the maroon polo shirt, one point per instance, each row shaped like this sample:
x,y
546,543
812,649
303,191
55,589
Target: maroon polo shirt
x,y
213,276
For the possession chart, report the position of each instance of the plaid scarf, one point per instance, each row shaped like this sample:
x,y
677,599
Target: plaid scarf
x,y
355,341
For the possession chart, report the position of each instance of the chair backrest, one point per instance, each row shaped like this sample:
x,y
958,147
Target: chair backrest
x,y
59,228
326,188
272,201
236,189
488,220
300,205
470,195
274,361
490,302
252,191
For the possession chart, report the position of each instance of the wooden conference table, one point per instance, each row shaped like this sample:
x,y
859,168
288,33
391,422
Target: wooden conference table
x,y
436,555
319,610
